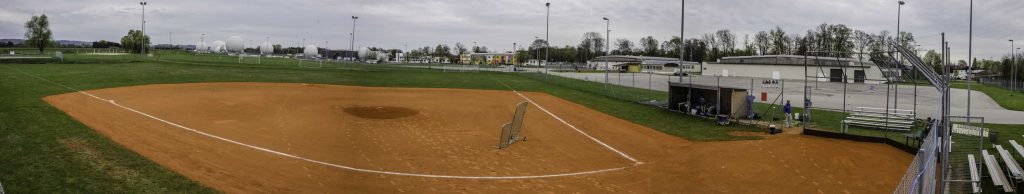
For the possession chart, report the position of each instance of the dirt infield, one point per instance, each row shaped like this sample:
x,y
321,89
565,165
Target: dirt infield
x,y
290,138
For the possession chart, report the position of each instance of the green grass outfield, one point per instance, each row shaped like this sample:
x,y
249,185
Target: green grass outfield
x,y
46,151
1005,98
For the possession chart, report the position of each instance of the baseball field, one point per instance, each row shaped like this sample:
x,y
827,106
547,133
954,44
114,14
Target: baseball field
x,y
179,123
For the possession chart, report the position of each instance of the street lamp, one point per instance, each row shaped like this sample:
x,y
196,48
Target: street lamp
x,y
352,44
143,38
608,37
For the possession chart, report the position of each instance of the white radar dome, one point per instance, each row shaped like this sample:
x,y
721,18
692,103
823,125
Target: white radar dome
x,y
266,48
218,47
363,52
235,44
310,51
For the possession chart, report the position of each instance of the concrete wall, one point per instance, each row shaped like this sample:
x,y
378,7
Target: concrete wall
x,y
789,72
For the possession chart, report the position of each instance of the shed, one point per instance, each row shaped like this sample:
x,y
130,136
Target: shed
x,y
730,99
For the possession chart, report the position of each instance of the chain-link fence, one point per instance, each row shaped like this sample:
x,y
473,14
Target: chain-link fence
x,y
1002,83
968,135
920,175
641,87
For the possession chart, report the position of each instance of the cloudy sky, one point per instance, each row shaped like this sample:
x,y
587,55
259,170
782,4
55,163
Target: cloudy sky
x,y
498,24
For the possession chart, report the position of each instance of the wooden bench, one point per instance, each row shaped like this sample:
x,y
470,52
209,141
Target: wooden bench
x,y
995,172
975,177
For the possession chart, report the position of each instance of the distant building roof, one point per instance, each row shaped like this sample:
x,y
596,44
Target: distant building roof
x,y
639,59
485,54
796,60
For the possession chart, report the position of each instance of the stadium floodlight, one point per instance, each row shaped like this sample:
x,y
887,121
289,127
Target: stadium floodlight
x,y
547,37
682,41
352,44
143,41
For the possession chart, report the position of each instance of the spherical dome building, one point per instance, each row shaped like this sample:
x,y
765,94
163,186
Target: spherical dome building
x,y
235,44
218,47
202,47
266,48
363,53
310,51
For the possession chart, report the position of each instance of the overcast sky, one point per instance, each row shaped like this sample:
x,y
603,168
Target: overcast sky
x,y
497,24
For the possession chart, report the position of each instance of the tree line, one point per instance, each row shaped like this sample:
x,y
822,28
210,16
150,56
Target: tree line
x,y
836,40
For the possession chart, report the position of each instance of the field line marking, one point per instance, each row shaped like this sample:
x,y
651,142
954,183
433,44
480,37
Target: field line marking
x,y
322,162
624,155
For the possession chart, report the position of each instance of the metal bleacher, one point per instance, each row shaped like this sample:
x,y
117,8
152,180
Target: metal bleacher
x,y
880,118
975,177
995,172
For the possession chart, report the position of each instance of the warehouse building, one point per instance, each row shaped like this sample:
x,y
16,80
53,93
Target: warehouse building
x,y
792,67
635,64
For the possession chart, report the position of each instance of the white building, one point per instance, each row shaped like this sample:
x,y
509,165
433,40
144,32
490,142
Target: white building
x,y
629,63
535,63
792,67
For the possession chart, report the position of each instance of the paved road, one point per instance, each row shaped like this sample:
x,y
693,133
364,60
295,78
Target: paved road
x,y
823,94
830,95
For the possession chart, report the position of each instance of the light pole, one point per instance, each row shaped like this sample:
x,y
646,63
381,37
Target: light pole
x,y
899,10
1016,69
202,39
682,24
608,32
899,40
352,44
1013,61
143,38
547,37
970,63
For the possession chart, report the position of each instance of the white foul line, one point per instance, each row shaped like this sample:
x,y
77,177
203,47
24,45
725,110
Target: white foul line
x,y
624,155
322,162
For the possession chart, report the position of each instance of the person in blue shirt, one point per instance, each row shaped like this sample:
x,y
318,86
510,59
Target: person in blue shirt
x,y
788,109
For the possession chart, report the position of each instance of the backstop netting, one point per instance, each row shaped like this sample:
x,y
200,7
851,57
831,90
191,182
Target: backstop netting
x,y
510,131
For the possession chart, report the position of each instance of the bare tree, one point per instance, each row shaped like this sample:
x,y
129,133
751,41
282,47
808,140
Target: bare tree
x,y
624,46
649,45
763,42
726,41
780,42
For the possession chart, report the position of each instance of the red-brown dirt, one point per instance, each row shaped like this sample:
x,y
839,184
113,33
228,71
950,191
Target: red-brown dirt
x,y
450,132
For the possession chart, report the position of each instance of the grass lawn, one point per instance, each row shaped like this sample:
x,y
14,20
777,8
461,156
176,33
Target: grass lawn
x,y
46,151
1005,98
